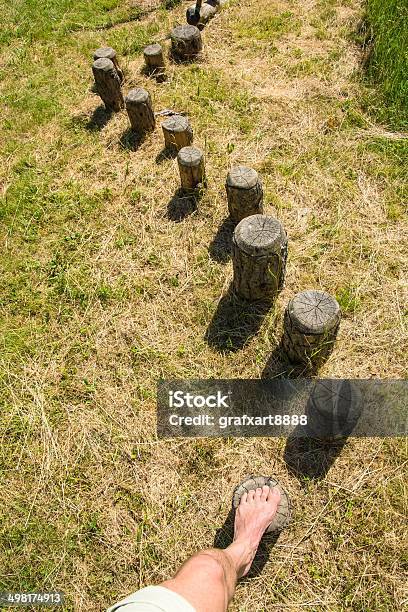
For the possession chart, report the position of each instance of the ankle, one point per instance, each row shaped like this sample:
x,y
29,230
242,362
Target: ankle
x,y
250,540
241,553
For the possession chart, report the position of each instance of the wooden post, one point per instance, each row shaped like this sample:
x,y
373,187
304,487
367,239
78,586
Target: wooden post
x,y
311,322
154,60
186,43
140,111
200,16
333,409
191,167
108,84
109,53
259,250
193,13
244,193
177,133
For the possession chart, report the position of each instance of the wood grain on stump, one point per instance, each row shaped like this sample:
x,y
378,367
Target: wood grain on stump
x,y
244,193
140,111
283,515
154,60
107,83
191,166
311,323
109,53
186,43
259,250
177,133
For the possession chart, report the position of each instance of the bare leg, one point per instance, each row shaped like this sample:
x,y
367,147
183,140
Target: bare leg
x,y
208,579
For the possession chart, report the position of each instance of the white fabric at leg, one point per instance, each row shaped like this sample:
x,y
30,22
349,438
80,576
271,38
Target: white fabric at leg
x,y
153,599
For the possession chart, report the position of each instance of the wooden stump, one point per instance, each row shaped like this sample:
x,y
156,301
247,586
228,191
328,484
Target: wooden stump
x,y
193,13
259,250
107,84
154,60
283,514
333,409
186,43
244,193
109,53
177,133
200,15
311,322
140,111
191,167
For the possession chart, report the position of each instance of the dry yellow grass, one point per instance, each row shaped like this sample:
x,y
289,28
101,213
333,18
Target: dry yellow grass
x,y
115,295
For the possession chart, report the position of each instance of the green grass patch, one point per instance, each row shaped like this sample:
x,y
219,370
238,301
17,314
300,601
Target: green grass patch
x,y
268,27
205,93
169,4
390,170
33,20
388,61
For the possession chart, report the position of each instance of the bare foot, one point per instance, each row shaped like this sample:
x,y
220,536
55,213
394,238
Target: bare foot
x,y
253,516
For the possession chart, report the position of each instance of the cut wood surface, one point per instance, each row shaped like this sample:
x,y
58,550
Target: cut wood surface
x,y
109,53
191,167
177,133
154,60
259,257
186,42
244,193
107,84
140,111
311,322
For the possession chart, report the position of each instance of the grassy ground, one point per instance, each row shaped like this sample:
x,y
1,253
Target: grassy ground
x,y
102,293
386,38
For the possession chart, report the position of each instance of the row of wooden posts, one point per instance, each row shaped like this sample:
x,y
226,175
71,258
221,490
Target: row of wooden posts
x,y
259,243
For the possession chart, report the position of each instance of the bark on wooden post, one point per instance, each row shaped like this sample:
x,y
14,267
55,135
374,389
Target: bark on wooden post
x,y
107,84
259,250
154,60
244,193
311,322
201,15
140,111
109,53
191,167
186,43
177,133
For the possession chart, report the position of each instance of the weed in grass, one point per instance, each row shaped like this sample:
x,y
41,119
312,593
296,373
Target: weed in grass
x,y
348,299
